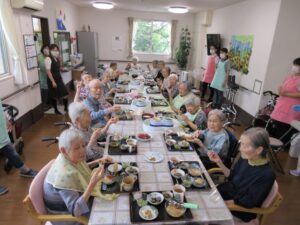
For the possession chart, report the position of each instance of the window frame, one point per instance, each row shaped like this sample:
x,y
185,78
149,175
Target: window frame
x,y
5,54
151,53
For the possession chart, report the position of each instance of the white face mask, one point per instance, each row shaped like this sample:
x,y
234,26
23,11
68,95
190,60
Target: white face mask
x,y
212,51
295,69
46,51
223,56
55,53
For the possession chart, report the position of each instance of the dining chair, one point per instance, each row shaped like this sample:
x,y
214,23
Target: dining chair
x,y
35,205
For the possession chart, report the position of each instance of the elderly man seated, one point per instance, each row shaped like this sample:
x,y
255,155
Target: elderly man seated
x,y
69,184
81,121
108,87
178,102
99,113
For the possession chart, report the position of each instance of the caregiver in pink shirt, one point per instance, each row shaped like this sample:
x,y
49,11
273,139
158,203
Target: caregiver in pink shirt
x,y
209,73
283,113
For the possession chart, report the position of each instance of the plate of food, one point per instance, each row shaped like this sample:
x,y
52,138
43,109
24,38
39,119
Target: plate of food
x,y
132,170
114,168
155,198
174,209
153,157
168,195
198,182
147,116
194,171
170,142
183,144
177,173
148,212
144,137
108,179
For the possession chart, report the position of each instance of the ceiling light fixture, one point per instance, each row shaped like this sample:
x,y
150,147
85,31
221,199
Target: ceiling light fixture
x,y
178,9
103,5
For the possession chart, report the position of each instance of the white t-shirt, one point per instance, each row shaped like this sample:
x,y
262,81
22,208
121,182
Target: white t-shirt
x,y
48,63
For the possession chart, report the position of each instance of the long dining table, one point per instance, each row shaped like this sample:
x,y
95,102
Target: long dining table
x,y
156,177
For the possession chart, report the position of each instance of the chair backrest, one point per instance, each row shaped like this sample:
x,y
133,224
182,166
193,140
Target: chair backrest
x,y
36,189
271,196
233,148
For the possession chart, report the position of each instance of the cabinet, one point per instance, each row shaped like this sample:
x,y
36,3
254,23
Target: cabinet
x,y
62,39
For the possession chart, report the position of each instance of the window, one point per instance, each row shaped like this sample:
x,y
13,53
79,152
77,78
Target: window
x,y
3,54
153,37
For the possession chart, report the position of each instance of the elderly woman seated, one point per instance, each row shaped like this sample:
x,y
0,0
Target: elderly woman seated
x,y
82,87
154,70
251,179
81,121
134,64
171,87
114,72
164,82
69,184
108,87
194,118
94,102
214,138
185,93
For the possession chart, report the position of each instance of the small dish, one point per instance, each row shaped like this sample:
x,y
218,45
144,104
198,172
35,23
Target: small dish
x,y
116,137
148,212
144,137
131,141
155,198
195,172
168,195
114,144
183,144
108,179
199,182
124,147
177,173
153,157
114,168
170,142
147,116
184,165
174,209
132,170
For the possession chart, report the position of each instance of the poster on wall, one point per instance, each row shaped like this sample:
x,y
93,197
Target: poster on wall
x,y
240,52
60,19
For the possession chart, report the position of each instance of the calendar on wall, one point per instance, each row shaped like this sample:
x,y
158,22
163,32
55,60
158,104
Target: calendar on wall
x,y
30,51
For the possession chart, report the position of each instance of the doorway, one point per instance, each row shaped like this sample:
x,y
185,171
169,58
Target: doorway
x,y
41,37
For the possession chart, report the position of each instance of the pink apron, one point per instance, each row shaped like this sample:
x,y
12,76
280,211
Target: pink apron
x,y
283,111
210,69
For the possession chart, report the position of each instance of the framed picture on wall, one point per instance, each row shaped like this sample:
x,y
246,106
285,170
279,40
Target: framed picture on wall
x,y
257,86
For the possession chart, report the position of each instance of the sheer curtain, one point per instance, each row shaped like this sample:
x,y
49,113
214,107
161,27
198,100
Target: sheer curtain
x,y
173,36
11,36
130,34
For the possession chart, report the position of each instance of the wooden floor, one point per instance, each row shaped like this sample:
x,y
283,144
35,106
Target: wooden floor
x,y
37,154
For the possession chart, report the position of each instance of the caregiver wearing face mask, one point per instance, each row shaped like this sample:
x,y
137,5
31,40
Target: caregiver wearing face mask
x,y
209,73
220,78
56,85
283,114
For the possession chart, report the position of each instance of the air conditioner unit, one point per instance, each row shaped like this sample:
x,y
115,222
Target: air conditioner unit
x,y
29,4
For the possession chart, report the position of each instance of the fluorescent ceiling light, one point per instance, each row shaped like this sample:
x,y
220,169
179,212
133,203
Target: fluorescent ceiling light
x,y
103,5
178,9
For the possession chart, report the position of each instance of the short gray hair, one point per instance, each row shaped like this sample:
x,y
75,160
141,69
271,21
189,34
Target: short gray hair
x,y
173,75
187,84
259,137
136,58
68,136
76,110
193,101
218,113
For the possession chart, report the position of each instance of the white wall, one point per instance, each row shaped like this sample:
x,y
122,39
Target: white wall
x,y
29,99
285,47
252,17
115,23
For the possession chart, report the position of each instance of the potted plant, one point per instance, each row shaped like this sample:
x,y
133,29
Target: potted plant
x,y
183,51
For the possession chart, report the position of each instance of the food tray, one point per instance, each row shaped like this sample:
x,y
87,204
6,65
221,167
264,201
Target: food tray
x,y
205,187
177,139
118,151
158,102
119,100
115,187
162,216
150,90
